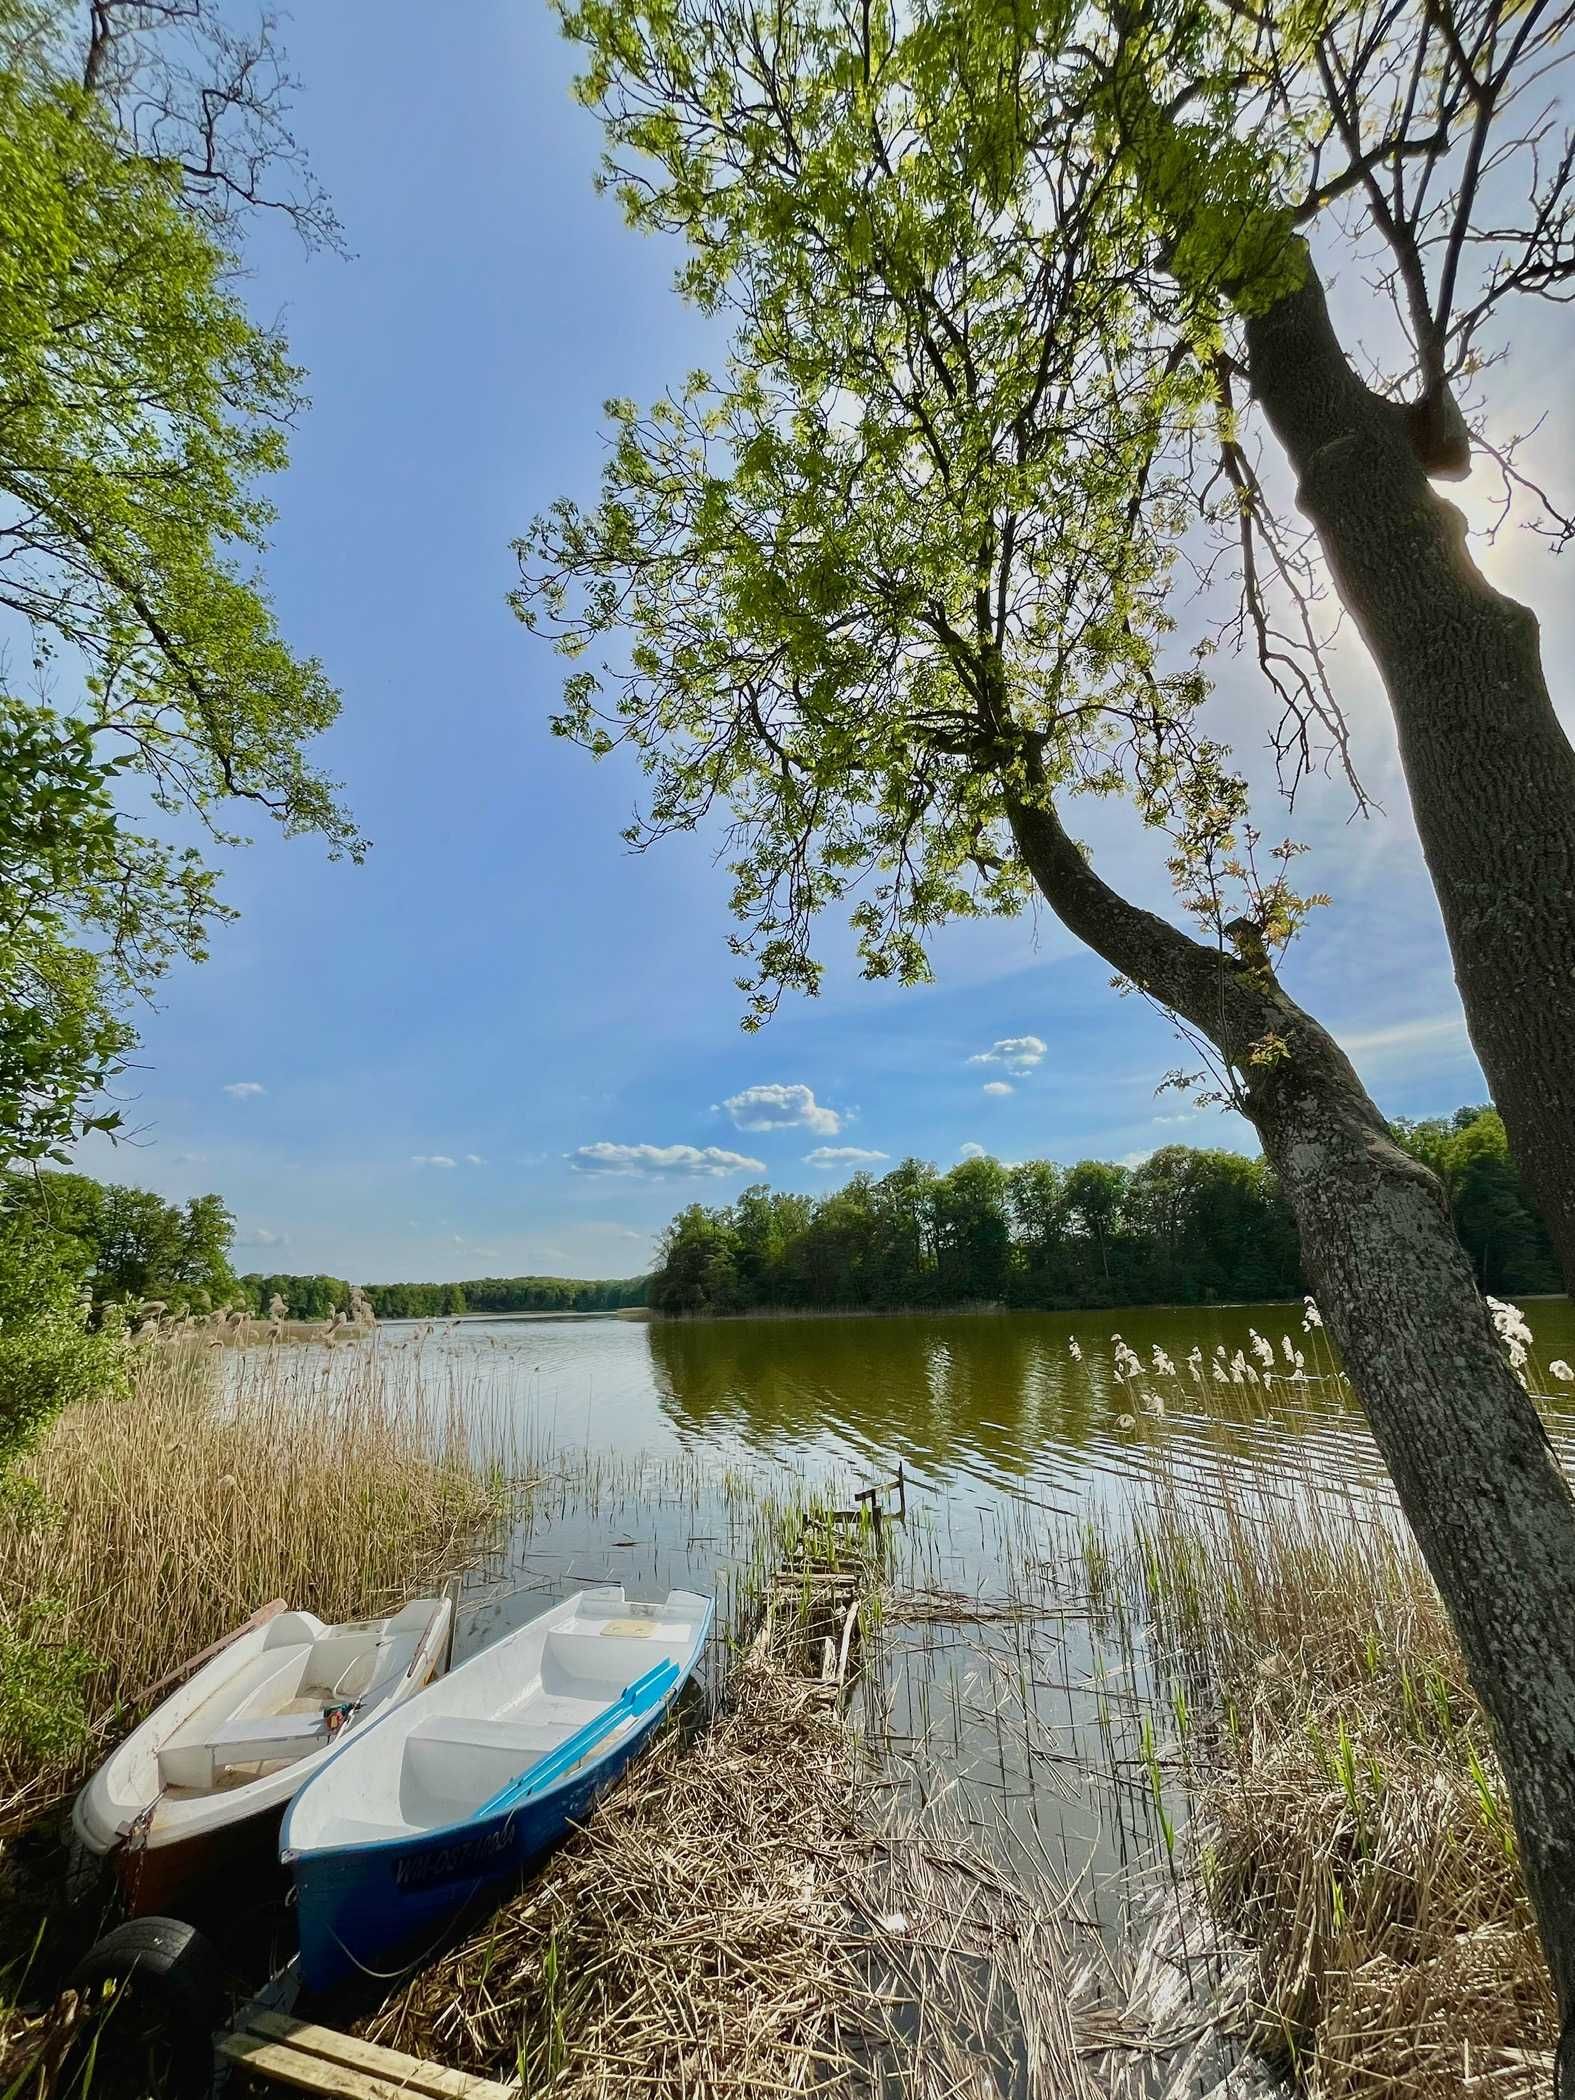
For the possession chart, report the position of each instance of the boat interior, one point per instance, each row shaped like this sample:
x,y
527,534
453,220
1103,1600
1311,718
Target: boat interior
x,y
455,1764
280,1706
477,1732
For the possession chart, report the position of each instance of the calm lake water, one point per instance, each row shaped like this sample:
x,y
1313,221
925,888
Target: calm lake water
x,y
655,1443
992,1401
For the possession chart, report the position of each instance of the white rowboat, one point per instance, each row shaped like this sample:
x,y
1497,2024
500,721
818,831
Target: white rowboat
x,y
205,1776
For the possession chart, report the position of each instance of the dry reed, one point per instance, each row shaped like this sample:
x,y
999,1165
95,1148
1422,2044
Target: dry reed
x,y
1350,1820
163,1519
740,1919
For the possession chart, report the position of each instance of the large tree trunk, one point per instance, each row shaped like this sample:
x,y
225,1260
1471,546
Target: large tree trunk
x,y
1477,1478
1490,770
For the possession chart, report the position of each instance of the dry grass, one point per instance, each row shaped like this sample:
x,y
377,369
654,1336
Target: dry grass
x,y
740,1920
164,1519
1350,1823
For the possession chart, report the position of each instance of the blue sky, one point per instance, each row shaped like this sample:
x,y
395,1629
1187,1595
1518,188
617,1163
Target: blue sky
x,y
486,1050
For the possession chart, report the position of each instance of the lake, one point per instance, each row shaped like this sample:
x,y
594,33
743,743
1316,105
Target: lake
x,y
994,1401
655,1444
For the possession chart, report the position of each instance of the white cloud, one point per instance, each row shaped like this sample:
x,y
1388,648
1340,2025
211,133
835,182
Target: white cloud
x,y
972,1150
245,1089
430,1159
842,1156
1019,1053
474,1159
663,1162
260,1236
1428,1032
777,1107
998,1086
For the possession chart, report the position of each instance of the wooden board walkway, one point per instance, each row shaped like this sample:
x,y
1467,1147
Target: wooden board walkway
x,y
283,2051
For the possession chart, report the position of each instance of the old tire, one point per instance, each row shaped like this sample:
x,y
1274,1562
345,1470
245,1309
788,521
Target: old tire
x,y
152,1993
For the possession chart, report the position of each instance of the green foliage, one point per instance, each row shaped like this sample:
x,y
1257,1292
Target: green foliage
x,y
1188,1226
1507,1241
904,564
1185,1226
126,1246
59,1037
315,1297
139,405
303,1297
48,1356
43,1712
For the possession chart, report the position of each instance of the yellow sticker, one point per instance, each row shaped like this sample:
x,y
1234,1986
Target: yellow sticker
x,y
639,1629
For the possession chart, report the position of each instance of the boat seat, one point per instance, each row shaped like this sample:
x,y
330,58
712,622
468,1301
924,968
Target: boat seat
x,y
531,1737
452,1763
600,1665
345,1667
247,1739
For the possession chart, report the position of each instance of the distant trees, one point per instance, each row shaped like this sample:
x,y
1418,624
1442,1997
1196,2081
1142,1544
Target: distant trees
x,y
1187,1226
317,1297
1509,1245
303,1297
502,1294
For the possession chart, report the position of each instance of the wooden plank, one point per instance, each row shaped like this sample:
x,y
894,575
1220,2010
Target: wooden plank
x,y
308,2074
374,2056
848,1625
420,2076
325,2055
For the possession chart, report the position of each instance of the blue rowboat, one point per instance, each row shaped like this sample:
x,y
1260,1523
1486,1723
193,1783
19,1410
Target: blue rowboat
x,y
446,1800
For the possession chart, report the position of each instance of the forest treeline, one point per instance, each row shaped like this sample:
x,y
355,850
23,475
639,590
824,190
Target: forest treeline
x,y
505,1294
1187,1226
127,1246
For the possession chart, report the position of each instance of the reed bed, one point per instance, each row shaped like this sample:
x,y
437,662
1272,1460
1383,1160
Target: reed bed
x,y
743,1919
147,1527
1349,1823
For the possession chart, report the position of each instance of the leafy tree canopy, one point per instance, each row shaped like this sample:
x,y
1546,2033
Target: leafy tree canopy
x,y
904,563
126,1246
1188,1225
907,563
139,407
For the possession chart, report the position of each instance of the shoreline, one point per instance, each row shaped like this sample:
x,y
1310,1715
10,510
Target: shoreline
x,y
976,1309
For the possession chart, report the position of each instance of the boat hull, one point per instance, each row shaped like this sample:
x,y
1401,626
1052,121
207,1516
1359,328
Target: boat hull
x,y
374,1910
185,1852
199,1874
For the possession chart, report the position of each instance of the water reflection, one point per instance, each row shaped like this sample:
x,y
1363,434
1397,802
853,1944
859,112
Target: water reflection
x,y
1002,1398
999,1399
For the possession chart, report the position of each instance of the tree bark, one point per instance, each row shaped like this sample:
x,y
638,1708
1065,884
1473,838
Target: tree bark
x,y
1476,1476
1490,770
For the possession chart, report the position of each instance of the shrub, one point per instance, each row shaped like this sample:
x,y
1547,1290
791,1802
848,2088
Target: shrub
x,y
48,1358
